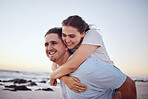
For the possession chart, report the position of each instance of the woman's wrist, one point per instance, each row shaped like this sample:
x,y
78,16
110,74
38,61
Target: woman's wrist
x,y
63,78
52,75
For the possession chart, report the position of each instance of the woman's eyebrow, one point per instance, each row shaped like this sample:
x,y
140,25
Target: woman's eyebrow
x,y
69,34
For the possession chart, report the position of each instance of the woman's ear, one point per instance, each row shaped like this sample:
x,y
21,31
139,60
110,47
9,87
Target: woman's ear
x,y
82,34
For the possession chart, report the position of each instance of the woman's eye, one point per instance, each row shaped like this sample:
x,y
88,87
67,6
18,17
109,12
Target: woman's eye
x,y
63,35
71,36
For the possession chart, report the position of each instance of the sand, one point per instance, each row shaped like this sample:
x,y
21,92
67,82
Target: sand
x,y
142,90
6,94
142,93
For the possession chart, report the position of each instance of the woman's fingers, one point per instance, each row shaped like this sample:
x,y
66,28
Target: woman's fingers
x,y
77,91
76,79
79,87
53,82
74,84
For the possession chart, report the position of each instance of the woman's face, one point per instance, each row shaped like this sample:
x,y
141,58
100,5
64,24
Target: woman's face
x,y
71,36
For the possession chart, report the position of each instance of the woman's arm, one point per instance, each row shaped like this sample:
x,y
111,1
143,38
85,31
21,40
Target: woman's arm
x,y
54,66
72,82
79,56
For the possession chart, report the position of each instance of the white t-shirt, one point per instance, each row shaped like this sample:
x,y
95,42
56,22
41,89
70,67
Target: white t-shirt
x,y
93,37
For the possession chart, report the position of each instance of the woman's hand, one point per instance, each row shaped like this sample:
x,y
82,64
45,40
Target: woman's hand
x,y
73,83
53,81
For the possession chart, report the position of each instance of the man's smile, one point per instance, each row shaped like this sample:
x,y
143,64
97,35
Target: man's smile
x,y
52,52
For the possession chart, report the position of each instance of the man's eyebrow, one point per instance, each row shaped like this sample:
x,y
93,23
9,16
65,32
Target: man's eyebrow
x,y
53,41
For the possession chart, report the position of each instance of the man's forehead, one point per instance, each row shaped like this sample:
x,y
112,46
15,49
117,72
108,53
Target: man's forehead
x,y
52,37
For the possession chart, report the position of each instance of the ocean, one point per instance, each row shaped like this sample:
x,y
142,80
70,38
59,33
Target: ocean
x,y
40,80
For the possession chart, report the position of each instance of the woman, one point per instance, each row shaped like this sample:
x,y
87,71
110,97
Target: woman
x,y
82,40
78,37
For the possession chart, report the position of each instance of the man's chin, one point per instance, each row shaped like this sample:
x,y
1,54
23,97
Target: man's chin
x,y
52,59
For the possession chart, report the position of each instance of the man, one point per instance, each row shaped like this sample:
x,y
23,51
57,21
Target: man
x,y
100,78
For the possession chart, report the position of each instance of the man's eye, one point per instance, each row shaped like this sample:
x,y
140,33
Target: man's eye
x,y
46,44
54,42
71,36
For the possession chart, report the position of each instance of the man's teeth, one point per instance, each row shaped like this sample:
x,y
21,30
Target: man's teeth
x,y
51,53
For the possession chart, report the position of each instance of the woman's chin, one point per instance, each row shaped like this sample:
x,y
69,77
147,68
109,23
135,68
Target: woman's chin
x,y
70,47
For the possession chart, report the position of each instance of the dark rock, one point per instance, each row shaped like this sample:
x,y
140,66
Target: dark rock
x,y
15,88
19,81
42,81
32,84
47,89
141,80
22,88
5,81
6,89
11,86
29,81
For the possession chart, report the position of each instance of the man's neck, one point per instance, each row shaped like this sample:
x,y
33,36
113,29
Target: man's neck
x,y
64,58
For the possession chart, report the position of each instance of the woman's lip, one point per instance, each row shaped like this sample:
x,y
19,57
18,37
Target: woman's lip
x,y
69,44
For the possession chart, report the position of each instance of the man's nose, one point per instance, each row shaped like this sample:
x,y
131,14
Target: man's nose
x,y
50,47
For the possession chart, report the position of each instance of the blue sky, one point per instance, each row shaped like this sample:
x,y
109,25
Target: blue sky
x,y
123,25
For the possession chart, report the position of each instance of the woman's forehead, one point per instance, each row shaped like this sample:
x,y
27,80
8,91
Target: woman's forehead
x,y
68,30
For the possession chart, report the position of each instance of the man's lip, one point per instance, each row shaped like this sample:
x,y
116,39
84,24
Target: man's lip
x,y
51,53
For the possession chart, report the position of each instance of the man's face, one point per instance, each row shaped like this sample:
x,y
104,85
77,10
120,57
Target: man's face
x,y
54,47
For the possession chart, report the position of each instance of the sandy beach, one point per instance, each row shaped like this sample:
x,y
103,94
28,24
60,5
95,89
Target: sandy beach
x,y
142,90
142,93
6,94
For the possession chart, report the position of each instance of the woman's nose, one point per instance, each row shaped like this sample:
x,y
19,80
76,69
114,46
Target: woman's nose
x,y
67,40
